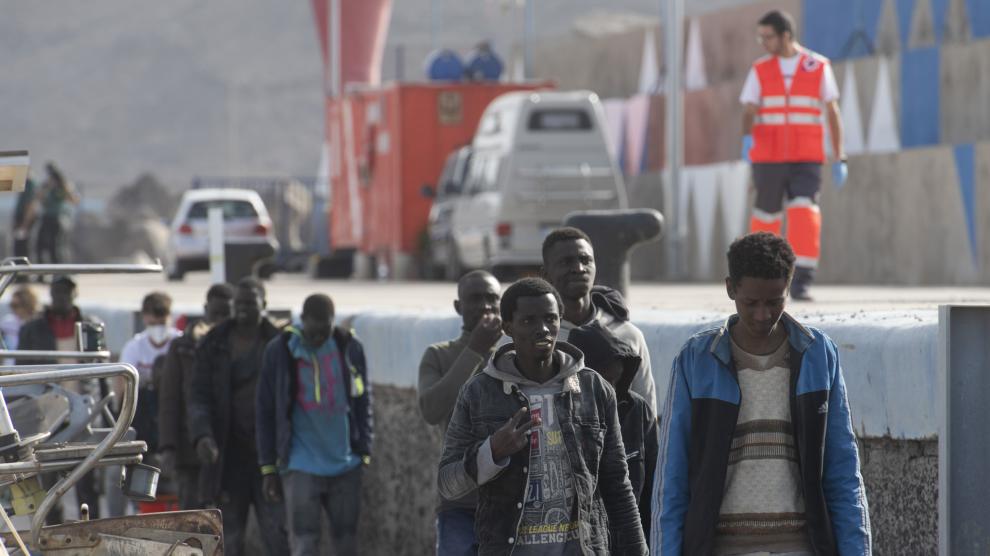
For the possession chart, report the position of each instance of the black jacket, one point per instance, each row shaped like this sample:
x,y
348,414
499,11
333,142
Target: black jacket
x,y
641,440
637,419
37,334
589,423
177,371
209,398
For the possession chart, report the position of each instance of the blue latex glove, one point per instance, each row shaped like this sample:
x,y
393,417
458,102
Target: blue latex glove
x,y
746,147
840,172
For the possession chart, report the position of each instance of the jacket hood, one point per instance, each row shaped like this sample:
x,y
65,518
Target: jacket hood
x,y
503,366
601,347
339,334
610,301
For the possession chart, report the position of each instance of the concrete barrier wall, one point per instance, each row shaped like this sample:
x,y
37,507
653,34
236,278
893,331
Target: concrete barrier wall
x,y
888,358
914,217
888,361
889,365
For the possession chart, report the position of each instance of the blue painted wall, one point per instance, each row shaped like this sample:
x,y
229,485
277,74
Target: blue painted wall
x,y
966,169
920,97
829,26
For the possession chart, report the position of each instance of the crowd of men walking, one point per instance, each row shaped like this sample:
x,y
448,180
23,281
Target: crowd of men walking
x,y
239,411
553,442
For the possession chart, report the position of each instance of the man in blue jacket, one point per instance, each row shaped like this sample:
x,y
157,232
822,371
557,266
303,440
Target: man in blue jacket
x,y
314,427
757,451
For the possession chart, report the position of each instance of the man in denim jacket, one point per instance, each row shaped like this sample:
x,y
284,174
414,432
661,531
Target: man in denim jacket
x,y
537,433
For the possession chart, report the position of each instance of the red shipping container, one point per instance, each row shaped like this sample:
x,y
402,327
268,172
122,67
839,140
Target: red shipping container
x,y
385,144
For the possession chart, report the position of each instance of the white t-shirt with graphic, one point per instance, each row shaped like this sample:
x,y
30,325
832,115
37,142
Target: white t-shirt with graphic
x,y
549,523
141,353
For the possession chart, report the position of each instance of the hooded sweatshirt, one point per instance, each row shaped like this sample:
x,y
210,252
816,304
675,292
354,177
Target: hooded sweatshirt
x,y
550,519
610,310
640,438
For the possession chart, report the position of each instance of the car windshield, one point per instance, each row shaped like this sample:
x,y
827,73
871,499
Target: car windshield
x,y
231,209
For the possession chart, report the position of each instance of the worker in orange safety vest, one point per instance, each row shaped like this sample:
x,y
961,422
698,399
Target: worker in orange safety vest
x,y
788,97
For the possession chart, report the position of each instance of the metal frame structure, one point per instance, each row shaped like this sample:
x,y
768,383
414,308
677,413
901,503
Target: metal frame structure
x,y
26,465
43,374
964,387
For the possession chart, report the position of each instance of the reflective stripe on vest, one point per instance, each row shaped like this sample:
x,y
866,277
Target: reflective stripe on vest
x,y
789,123
784,119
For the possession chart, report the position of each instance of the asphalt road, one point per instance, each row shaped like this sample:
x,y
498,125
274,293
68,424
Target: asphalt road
x,y
287,291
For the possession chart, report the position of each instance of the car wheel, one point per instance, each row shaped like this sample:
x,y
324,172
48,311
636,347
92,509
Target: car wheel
x,y
176,273
266,270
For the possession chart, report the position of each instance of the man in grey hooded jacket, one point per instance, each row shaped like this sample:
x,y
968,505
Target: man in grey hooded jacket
x,y
537,433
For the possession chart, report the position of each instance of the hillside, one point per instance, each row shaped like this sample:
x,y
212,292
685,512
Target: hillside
x,y
111,89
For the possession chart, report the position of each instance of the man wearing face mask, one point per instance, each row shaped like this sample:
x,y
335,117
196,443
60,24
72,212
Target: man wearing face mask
x,y
177,454
141,352
314,427
221,416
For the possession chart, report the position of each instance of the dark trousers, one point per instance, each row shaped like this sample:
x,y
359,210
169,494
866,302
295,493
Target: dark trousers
x,y
187,483
51,244
145,420
455,533
87,492
339,496
21,247
242,489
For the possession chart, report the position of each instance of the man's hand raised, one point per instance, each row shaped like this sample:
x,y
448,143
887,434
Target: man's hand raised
x,y
271,488
207,450
513,435
485,334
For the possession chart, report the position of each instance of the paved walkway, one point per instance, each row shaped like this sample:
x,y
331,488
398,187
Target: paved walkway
x,y
287,291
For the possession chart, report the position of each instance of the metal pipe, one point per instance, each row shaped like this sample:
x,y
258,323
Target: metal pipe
x,y
79,268
21,467
10,267
674,32
25,354
41,374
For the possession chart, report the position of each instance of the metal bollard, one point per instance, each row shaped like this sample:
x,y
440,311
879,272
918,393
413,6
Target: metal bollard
x,y
244,259
613,233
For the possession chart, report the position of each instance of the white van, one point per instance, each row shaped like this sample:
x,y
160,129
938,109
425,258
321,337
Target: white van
x,y
536,157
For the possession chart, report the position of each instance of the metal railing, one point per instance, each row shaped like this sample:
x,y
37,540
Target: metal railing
x,y
20,375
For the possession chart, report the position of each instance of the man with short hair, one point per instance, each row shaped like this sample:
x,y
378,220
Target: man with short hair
x,y
569,265
177,454
444,369
314,427
141,352
757,450
789,96
55,328
537,434
222,420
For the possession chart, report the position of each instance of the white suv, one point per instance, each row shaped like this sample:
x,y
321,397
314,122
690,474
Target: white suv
x,y
245,220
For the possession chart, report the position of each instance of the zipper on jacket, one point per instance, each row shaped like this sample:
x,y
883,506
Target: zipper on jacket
x,y
316,375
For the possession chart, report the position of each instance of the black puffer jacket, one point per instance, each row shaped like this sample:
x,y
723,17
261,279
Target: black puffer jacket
x,y
638,421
